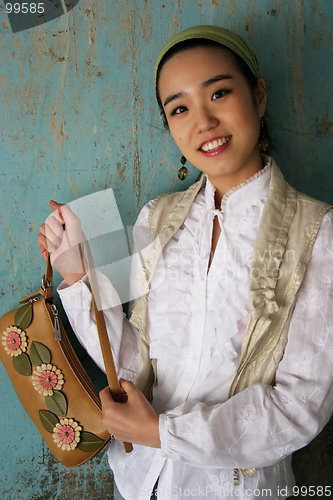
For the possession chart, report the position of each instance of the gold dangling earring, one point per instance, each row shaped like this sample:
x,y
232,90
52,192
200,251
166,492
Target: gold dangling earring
x,y
182,172
263,140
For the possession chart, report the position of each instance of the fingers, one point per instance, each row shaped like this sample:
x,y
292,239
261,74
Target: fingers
x,y
42,246
106,398
61,236
50,235
108,407
43,241
128,387
55,205
57,210
64,214
135,421
54,231
62,222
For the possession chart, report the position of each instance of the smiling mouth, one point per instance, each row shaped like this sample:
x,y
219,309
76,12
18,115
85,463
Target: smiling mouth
x,y
214,145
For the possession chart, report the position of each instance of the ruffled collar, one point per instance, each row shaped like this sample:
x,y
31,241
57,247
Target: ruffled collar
x,y
243,195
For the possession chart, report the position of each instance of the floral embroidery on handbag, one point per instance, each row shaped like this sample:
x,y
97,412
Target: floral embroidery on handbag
x,y
14,341
66,434
47,379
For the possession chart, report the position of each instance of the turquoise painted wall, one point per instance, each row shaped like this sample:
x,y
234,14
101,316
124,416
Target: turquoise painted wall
x,y
78,115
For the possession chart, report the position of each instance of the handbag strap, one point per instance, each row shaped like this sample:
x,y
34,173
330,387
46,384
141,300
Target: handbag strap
x,y
110,368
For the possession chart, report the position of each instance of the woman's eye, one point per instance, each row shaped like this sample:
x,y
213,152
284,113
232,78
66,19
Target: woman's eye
x,y
219,93
179,110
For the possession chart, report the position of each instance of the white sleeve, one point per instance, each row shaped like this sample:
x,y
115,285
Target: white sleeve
x,y
263,424
124,338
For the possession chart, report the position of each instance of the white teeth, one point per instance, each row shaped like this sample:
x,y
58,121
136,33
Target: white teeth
x,y
217,143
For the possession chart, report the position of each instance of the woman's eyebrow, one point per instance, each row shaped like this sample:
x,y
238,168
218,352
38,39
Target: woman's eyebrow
x,y
172,97
204,84
215,79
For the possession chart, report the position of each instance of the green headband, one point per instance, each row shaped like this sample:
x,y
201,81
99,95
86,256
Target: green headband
x,y
222,36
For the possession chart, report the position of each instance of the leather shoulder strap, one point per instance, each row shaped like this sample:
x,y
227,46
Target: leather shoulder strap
x,y
110,368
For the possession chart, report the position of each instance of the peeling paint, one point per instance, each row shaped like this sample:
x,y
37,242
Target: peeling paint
x,y
4,82
175,25
250,20
75,43
121,168
316,41
219,4
56,133
324,126
146,25
15,245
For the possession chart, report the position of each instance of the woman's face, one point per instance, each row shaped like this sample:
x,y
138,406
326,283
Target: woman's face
x,y
212,114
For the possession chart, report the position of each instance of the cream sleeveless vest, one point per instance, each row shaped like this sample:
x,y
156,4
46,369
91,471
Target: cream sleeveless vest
x,y
283,247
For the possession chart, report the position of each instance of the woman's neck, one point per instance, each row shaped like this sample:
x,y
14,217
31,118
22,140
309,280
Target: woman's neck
x,y
223,184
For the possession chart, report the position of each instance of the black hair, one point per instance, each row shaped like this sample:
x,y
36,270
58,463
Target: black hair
x,y
238,62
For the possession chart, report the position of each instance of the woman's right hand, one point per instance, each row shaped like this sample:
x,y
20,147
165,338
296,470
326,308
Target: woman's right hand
x,y
61,236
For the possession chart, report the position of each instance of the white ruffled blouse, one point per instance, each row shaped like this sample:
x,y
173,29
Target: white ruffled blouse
x,y
198,318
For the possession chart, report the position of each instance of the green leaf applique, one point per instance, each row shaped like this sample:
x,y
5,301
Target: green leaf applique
x,y
22,364
40,354
89,442
23,316
57,403
48,419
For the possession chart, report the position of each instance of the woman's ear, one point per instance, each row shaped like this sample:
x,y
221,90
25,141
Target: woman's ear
x,y
261,96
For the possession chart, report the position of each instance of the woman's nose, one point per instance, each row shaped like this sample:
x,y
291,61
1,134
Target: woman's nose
x,y
206,120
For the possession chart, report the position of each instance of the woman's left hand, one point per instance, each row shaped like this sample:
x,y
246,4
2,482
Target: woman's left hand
x,y
133,421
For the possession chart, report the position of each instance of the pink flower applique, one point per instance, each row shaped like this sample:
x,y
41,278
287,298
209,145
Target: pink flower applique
x,y
47,378
14,341
67,434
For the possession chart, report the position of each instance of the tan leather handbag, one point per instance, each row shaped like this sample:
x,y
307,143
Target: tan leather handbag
x,y
49,379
